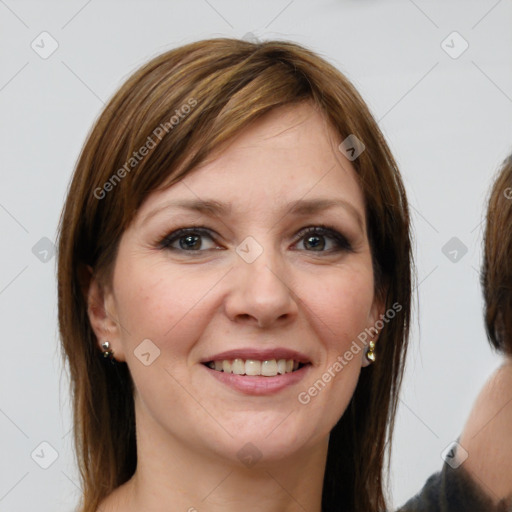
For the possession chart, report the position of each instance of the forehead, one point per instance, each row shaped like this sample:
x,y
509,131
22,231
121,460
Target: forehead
x,y
290,153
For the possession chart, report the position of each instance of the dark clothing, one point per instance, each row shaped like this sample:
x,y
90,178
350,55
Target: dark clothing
x,y
453,490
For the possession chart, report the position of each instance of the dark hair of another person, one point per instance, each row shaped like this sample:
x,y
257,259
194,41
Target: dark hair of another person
x,y
497,264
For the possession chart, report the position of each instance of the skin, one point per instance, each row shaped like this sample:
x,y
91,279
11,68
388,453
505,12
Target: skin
x,y
190,426
487,435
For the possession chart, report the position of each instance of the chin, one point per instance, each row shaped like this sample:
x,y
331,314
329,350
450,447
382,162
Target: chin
x,y
259,446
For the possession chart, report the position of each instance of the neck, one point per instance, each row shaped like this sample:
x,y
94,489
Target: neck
x,y
172,475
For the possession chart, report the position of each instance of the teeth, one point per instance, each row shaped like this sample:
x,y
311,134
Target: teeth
x,y
238,367
269,368
252,367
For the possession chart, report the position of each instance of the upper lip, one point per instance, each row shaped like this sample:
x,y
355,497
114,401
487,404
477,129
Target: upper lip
x,y
259,355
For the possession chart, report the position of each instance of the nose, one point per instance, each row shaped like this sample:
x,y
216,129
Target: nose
x,y
260,293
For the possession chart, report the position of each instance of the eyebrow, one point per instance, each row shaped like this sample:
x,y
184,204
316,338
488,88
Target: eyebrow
x,y
300,207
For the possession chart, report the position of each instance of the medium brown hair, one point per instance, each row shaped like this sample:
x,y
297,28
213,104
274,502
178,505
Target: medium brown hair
x,y
233,83
497,264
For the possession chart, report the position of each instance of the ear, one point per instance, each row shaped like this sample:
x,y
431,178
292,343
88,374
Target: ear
x,y
101,311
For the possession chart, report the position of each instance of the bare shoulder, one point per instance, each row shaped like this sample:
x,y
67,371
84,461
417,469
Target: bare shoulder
x,y
487,435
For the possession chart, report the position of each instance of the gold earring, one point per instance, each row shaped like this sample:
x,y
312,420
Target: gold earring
x,y
370,353
108,353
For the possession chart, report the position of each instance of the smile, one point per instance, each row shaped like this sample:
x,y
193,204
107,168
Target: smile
x,y
254,367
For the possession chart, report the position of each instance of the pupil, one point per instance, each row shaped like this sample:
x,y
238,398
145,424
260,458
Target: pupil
x,y
315,244
191,242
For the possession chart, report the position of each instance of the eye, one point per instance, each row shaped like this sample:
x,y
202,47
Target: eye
x,y
189,239
315,239
315,236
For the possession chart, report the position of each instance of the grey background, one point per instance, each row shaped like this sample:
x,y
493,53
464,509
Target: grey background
x,y
447,121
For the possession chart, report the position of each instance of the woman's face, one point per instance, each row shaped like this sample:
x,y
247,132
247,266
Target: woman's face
x,y
248,284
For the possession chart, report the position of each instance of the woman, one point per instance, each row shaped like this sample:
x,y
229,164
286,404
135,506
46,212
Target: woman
x,y
479,476
236,242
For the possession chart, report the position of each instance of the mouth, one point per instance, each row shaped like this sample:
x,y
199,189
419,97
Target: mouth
x,y
256,367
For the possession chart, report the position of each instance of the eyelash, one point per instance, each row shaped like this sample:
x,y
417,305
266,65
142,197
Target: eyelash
x,y
341,242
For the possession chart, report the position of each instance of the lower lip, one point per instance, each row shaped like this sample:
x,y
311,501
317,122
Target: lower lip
x,y
257,384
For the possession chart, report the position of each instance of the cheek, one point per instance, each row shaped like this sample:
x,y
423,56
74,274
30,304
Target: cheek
x,y
162,303
339,309
166,306
340,304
